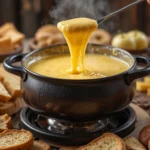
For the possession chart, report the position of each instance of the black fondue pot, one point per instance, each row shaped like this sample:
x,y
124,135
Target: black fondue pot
x,y
77,100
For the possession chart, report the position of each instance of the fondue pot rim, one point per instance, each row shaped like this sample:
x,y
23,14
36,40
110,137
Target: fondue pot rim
x,y
77,80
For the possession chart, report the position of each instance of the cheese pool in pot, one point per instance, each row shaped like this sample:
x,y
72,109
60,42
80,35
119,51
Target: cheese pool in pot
x,y
77,33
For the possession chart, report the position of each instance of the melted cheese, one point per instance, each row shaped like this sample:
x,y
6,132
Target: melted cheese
x,y
96,66
77,33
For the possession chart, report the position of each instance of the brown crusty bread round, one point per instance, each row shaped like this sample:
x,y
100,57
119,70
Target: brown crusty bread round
x,y
16,140
105,142
144,135
46,31
100,36
40,145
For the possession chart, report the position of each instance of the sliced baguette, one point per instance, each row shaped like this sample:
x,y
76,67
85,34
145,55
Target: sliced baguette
x,y
4,95
11,107
5,122
133,143
40,145
11,82
107,141
16,140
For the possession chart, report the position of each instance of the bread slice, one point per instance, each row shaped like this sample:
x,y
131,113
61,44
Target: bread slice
x,y
16,140
107,141
11,107
4,95
15,36
5,122
6,28
40,145
133,143
6,45
11,82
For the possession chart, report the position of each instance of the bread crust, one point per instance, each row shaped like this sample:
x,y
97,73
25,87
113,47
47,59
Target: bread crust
x,y
23,146
105,135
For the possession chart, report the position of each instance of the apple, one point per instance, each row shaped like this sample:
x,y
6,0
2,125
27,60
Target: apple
x,y
140,38
124,41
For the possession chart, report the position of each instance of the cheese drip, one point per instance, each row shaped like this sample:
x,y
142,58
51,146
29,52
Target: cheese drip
x,y
77,33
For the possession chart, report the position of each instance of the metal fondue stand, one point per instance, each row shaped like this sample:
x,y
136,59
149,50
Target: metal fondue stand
x,y
142,119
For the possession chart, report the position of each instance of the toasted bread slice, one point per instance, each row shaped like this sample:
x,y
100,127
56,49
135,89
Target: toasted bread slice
x,y
4,95
16,140
40,145
15,36
107,141
11,107
11,82
133,143
6,45
6,28
5,122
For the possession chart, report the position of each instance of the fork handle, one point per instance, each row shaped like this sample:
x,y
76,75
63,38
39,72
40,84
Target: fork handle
x,y
118,11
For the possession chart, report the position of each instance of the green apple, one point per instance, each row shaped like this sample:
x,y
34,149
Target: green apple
x,y
140,38
124,41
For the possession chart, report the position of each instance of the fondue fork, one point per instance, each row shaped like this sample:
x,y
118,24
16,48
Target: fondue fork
x,y
101,20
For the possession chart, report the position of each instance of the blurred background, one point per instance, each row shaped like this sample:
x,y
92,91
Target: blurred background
x,y
29,15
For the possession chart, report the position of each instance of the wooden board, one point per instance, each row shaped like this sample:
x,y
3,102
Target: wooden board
x,y
143,119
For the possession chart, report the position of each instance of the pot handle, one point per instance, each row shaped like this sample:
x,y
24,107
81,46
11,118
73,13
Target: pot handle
x,y
17,70
131,76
